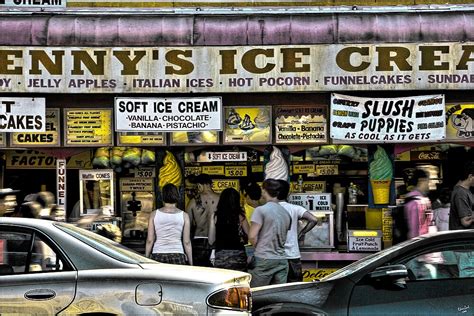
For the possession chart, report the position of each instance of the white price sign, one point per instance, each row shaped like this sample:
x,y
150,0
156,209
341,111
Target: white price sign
x,y
318,202
227,156
168,114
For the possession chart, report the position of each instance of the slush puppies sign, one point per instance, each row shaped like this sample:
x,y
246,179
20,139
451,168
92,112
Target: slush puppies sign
x,y
22,115
391,120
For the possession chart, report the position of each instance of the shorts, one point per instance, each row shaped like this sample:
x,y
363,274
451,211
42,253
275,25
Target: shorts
x,y
171,258
268,271
201,252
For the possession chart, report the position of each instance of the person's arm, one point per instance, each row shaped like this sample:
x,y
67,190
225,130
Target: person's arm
x,y
312,221
244,224
253,233
413,219
150,239
467,221
187,239
212,230
189,209
464,210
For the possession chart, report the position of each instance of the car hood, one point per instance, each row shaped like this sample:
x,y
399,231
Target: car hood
x,y
311,293
197,274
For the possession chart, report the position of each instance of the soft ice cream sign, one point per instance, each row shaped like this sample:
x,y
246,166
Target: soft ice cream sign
x,y
168,114
388,120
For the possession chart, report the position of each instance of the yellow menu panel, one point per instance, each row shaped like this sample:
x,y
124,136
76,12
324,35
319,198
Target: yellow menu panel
x,y
88,127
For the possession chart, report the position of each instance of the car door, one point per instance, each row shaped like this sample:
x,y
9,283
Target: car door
x,y
440,282
35,279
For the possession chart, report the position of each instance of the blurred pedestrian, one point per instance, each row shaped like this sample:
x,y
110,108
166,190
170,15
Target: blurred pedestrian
x,y
228,231
110,231
8,201
292,250
46,200
268,233
462,200
168,239
417,208
441,213
29,210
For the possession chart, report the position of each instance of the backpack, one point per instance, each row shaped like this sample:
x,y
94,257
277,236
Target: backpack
x,y
399,222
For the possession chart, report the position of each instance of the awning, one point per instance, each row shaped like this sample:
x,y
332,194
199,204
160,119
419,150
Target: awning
x,y
155,29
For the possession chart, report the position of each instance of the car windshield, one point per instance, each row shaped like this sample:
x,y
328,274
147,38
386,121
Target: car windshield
x,y
362,263
104,245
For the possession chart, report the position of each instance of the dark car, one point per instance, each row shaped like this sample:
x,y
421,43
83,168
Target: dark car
x,y
428,275
52,268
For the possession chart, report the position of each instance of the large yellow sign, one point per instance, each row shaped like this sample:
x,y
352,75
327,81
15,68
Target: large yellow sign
x,y
32,159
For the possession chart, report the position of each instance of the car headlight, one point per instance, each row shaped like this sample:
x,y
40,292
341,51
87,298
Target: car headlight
x,y
236,298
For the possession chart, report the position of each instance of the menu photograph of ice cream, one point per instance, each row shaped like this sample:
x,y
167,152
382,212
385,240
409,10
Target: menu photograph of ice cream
x,y
194,137
246,124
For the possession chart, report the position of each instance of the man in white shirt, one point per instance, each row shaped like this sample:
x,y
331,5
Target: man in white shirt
x,y
292,250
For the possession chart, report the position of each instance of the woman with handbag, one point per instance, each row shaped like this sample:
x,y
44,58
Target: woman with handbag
x,y
228,232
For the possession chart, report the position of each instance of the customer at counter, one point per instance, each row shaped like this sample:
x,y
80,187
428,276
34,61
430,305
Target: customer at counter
x,y
268,233
228,230
201,209
292,250
252,195
168,238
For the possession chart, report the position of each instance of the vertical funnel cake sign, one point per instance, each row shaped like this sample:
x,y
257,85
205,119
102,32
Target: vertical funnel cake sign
x,y
381,175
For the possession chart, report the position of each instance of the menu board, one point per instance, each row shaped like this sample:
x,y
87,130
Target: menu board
x,y
460,122
300,125
195,138
245,124
2,140
49,138
88,127
141,138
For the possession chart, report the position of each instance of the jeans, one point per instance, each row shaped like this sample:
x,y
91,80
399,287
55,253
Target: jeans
x,y
268,271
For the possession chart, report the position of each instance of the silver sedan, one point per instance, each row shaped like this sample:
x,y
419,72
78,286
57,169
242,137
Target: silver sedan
x,y
49,268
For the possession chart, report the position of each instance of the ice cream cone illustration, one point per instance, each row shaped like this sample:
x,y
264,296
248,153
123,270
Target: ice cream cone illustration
x,y
381,175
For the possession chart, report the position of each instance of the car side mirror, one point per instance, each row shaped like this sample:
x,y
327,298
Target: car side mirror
x,y
394,275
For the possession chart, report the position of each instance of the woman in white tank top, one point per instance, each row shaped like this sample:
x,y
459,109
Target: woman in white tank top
x,y
168,239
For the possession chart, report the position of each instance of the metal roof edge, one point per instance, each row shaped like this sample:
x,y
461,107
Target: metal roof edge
x,y
353,9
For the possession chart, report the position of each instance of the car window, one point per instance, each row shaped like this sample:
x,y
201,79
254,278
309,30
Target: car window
x,y
362,263
443,262
104,245
26,252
